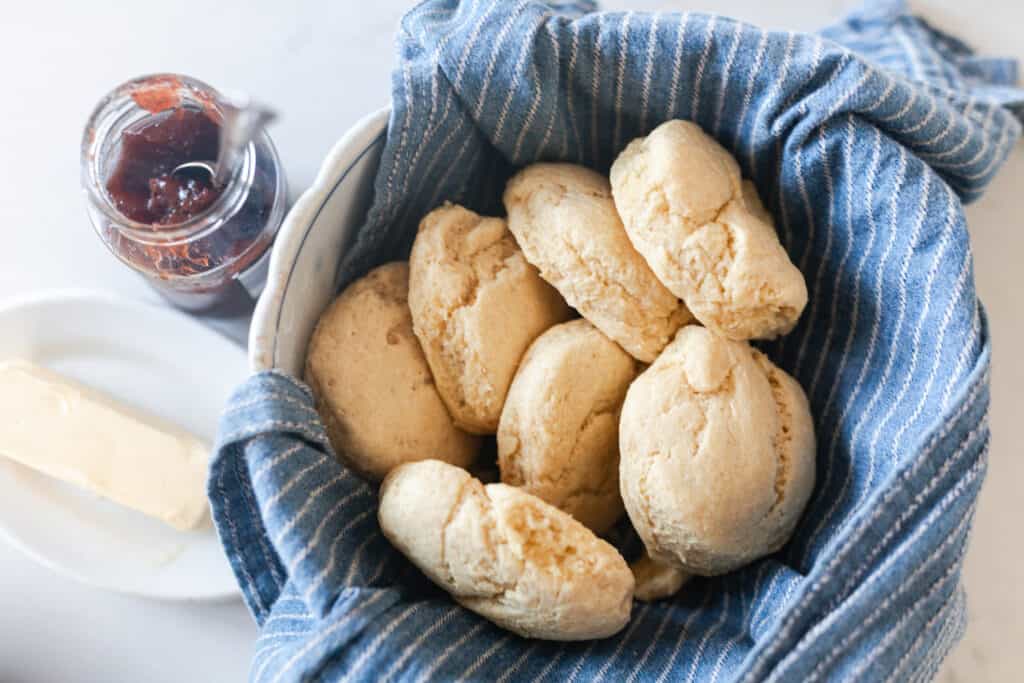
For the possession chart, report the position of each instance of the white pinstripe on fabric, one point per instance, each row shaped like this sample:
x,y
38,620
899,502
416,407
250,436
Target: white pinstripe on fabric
x,y
748,624
986,138
840,270
677,66
292,482
415,644
645,89
741,633
622,58
314,540
436,197
902,111
326,633
270,558
933,107
573,125
701,66
318,580
563,152
635,621
784,226
876,324
271,397
965,352
958,290
748,95
314,496
683,632
264,657
357,558
492,63
300,616
655,640
550,666
699,654
996,158
449,651
468,673
966,139
595,91
385,633
518,664
281,634
901,309
726,73
517,78
404,135
275,461
772,94
849,94
531,113
826,249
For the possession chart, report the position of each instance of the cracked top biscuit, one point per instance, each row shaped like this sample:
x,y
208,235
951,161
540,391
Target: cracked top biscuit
x,y
559,432
564,219
373,388
477,304
705,235
717,454
505,554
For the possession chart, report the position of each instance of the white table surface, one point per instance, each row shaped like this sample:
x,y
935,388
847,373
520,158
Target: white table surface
x,y
322,64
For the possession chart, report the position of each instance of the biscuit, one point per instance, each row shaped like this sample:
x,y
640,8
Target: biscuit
x,y
476,306
508,556
373,388
654,580
683,205
565,221
559,432
717,454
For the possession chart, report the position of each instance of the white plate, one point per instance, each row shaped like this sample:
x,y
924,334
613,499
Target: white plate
x,y
158,360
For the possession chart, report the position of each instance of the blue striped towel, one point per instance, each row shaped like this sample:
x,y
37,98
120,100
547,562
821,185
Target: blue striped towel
x,y
865,140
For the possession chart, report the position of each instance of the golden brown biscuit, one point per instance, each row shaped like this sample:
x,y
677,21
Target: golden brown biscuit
x,y
682,203
654,580
476,306
564,219
372,385
717,454
559,432
508,556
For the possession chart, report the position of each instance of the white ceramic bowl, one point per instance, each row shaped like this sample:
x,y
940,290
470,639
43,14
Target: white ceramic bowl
x,y
304,264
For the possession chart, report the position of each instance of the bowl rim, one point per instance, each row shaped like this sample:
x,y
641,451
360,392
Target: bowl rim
x,y
343,156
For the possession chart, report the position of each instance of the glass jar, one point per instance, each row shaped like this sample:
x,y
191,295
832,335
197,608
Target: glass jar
x,y
215,260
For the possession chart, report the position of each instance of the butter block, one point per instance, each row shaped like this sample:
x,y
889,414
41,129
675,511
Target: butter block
x,y
79,435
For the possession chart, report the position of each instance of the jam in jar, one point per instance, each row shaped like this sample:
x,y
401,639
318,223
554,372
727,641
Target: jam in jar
x,y
204,247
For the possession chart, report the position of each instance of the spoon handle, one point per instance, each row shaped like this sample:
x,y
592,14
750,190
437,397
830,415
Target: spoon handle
x,y
242,121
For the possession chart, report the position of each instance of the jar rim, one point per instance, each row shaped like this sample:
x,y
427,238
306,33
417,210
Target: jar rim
x,y
119,103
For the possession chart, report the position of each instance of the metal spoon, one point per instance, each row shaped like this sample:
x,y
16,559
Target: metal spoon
x,y
242,121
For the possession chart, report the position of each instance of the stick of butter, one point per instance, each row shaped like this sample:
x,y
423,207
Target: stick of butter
x,y
78,435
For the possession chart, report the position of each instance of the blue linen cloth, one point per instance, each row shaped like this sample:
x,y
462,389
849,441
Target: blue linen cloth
x,y
864,140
